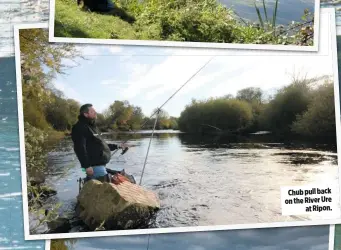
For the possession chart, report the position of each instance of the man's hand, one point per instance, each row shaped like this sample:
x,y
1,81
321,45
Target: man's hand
x,y
123,146
89,171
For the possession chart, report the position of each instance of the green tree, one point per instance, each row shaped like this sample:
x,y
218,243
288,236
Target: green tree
x,y
225,114
40,62
290,101
254,96
163,121
251,95
319,119
63,244
136,119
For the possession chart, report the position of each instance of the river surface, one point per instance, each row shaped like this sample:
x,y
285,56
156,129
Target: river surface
x,y
11,205
293,238
206,180
287,11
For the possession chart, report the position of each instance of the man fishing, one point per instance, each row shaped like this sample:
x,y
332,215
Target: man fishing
x,y
106,7
92,151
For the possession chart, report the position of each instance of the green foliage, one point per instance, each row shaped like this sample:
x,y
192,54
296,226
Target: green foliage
x,y
44,110
173,123
121,115
136,119
225,114
300,108
192,20
118,114
34,148
62,113
63,244
283,109
250,95
177,20
254,96
41,60
319,119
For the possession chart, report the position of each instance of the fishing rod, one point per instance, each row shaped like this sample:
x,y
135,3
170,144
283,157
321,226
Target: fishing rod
x,y
159,109
211,126
156,112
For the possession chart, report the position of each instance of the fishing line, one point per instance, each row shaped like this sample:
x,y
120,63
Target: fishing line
x,y
158,111
150,141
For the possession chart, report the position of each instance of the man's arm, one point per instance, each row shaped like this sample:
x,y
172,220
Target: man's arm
x,y
115,146
79,142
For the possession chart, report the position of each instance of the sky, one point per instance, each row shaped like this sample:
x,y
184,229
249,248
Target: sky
x,y
295,238
148,76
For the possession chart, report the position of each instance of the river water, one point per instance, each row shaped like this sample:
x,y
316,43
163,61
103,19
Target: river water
x,y
285,12
206,180
11,205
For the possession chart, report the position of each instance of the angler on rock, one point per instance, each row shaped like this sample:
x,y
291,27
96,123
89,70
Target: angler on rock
x,y
92,151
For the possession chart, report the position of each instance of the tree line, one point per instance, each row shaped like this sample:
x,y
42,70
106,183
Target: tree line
x,y
305,107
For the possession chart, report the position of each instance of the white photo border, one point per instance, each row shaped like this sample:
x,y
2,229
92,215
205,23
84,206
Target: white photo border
x,y
331,237
48,245
314,47
329,12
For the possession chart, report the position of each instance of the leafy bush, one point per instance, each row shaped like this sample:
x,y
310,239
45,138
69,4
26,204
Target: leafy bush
x,y
225,114
290,101
34,148
319,119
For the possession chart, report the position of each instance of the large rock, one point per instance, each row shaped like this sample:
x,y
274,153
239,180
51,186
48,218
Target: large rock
x,y
122,206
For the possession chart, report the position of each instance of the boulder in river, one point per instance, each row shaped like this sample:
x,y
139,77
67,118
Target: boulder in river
x,y
116,206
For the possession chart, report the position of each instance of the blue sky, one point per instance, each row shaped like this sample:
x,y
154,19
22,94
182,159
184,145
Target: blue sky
x,y
299,238
148,76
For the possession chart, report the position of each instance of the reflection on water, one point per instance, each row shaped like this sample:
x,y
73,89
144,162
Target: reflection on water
x,y
207,180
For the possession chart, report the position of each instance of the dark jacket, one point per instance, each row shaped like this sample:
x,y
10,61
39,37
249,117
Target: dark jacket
x,y
90,148
98,5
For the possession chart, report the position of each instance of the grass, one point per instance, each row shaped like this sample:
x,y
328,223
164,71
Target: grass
x,y
177,20
72,22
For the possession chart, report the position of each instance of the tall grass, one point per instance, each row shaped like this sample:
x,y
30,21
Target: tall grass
x,y
267,22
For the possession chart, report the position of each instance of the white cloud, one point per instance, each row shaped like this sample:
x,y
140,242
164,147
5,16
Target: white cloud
x,y
108,82
90,50
138,70
269,72
68,91
166,76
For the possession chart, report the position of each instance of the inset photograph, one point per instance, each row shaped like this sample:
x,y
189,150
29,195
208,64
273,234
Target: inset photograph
x,y
119,140
264,24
